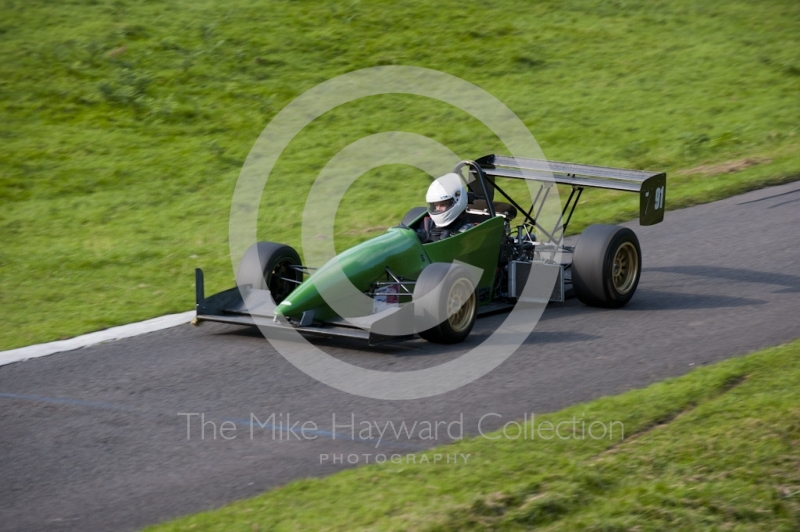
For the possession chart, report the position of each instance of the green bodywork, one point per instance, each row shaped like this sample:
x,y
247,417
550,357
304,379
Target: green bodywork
x,y
400,250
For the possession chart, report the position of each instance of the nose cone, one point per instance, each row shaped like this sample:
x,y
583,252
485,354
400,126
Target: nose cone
x,y
283,308
337,288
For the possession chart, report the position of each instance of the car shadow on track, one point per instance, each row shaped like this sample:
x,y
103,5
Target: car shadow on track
x,y
397,348
418,347
791,283
646,299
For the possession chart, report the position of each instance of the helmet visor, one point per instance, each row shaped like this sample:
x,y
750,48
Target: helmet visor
x,y
439,207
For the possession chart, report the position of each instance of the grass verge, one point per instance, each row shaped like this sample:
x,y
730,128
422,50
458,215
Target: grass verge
x,y
713,450
125,123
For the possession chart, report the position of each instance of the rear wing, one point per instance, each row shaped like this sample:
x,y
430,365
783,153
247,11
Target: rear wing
x,y
651,186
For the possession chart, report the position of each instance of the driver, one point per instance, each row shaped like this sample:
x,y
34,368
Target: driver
x,y
447,209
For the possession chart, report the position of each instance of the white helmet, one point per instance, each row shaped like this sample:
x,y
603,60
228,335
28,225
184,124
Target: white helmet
x,y
447,199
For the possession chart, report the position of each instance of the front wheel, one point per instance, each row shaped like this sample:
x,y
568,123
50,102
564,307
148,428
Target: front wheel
x,y
270,266
606,266
445,306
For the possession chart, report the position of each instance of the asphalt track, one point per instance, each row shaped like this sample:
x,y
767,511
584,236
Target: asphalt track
x,y
92,440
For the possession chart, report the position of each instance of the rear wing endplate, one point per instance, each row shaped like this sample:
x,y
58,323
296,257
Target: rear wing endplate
x,y
651,186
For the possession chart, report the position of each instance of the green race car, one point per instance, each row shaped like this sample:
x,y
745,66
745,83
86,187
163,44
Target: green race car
x,y
398,285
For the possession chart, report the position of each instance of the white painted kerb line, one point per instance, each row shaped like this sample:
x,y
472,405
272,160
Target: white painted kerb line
x,y
107,335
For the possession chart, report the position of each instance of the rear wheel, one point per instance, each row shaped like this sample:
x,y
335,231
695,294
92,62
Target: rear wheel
x,y
606,266
444,296
270,266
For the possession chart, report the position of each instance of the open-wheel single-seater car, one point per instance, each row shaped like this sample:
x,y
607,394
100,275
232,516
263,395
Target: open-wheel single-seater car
x,y
398,286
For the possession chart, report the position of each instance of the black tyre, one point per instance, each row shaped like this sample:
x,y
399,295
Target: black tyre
x,y
445,295
269,265
606,266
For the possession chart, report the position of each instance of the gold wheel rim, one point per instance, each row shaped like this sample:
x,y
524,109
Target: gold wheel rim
x,y
625,268
461,305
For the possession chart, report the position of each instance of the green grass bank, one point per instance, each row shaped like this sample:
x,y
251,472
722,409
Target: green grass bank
x,y
124,123
716,449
